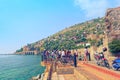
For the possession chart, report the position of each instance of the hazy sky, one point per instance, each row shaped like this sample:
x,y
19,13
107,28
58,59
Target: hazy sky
x,y
27,21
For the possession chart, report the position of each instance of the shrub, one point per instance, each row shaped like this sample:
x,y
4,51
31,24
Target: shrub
x,y
114,47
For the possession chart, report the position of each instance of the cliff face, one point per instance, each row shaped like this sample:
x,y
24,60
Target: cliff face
x,y
112,21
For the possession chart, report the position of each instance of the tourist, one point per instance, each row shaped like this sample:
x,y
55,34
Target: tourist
x,y
42,56
45,56
75,60
101,55
63,56
59,54
80,56
53,55
68,54
76,53
86,55
96,56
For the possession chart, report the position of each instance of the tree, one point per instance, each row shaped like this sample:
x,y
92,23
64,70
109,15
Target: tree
x,y
114,47
20,50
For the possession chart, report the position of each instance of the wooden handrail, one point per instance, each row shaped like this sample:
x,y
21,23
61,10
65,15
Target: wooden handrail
x,y
50,72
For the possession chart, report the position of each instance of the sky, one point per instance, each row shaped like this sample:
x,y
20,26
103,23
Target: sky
x,y
27,21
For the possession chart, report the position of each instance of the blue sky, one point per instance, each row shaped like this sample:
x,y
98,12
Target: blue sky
x,y
27,21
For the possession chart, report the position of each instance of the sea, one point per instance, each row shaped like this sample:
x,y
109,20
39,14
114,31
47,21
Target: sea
x,y
20,67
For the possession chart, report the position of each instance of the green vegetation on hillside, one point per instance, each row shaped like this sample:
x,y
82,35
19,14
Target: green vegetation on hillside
x,y
74,37
20,50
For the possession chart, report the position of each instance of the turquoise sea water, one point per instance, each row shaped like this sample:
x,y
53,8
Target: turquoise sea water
x,y
19,67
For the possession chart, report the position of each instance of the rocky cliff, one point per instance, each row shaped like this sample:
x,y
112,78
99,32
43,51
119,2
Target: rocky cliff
x,y
112,21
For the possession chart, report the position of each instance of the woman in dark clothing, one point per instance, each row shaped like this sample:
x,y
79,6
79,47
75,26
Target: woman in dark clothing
x,y
75,60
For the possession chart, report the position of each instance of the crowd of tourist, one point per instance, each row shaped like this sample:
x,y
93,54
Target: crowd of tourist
x,y
66,56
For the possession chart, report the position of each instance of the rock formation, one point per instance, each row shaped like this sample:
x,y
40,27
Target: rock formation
x,y
112,21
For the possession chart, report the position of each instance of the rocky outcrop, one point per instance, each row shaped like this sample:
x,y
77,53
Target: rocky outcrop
x,y
112,21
